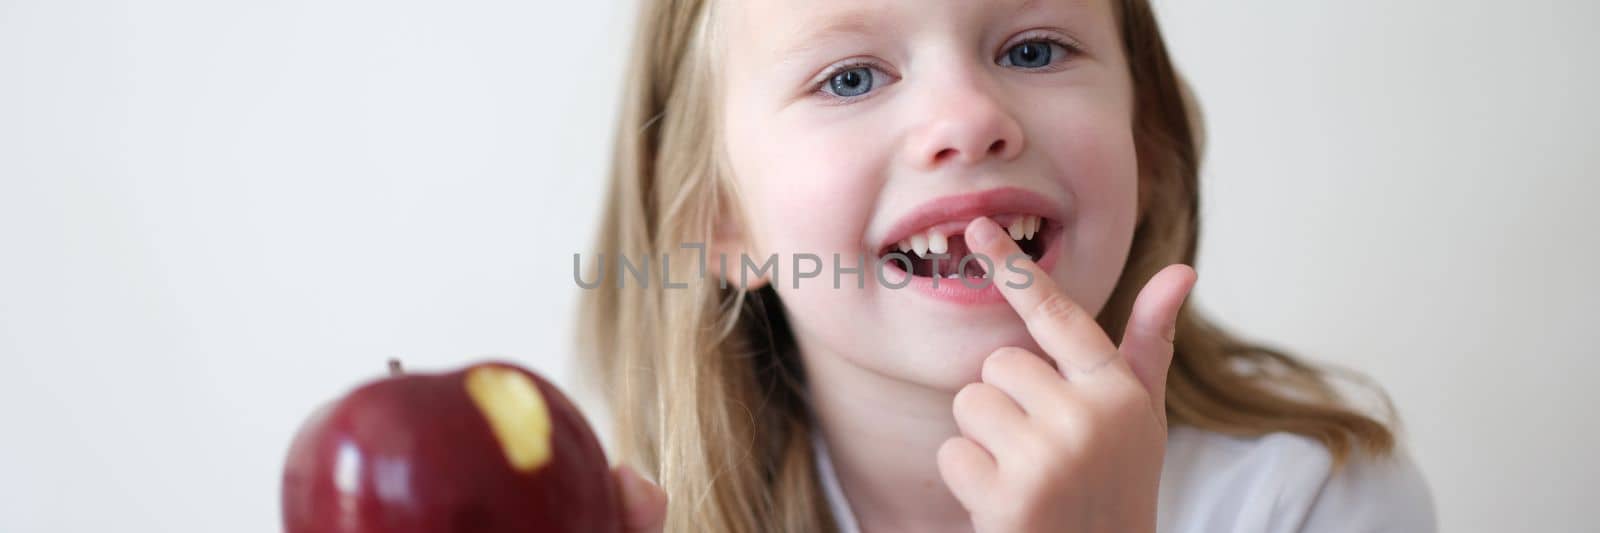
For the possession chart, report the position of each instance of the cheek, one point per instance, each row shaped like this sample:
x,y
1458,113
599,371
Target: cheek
x,y
807,190
1103,177
1095,151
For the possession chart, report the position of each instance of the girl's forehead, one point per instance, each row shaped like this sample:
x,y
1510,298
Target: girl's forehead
x,y
806,13
786,25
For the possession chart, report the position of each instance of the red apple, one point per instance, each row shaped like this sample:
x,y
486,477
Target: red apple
x,y
491,448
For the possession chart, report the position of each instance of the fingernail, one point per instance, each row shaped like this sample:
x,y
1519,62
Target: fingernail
x,y
982,231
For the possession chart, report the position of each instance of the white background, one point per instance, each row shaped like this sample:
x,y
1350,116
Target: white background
x,y
215,216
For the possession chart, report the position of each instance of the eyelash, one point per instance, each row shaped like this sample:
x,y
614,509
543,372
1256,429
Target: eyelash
x,y
820,87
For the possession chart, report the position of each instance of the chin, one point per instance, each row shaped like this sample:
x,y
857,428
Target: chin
x,y
954,359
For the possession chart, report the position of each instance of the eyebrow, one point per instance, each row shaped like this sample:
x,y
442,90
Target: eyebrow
x,y
847,23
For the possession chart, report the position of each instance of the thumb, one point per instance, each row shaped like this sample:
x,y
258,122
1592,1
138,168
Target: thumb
x,y
1147,339
644,504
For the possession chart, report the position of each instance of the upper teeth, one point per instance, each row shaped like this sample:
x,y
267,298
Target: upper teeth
x,y
1023,228
936,242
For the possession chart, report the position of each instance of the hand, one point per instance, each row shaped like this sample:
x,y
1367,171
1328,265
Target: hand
x,y
1079,449
644,504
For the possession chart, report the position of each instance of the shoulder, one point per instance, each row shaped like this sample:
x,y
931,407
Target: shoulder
x,y
1283,482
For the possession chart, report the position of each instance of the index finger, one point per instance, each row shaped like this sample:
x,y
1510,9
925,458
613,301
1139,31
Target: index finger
x,y
1065,330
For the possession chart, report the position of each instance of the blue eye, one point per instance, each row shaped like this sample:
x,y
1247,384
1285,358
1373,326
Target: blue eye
x,y
1035,54
1030,55
850,83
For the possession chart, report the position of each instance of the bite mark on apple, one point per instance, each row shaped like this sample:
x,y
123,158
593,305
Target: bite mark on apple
x,y
516,412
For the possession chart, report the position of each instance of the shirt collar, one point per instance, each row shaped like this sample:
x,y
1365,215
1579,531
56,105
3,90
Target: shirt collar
x,y
842,516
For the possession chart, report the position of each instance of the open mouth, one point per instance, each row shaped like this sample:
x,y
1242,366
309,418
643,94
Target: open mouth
x,y
941,250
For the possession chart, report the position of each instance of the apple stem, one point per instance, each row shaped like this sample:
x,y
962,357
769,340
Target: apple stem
x,y
394,367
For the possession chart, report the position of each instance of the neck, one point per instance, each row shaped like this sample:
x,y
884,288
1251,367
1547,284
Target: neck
x,y
883,435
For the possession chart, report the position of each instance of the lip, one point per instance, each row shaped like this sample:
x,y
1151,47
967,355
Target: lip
x,y
953,212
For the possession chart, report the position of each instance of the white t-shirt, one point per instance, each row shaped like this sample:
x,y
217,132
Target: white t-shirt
x,y
1277,483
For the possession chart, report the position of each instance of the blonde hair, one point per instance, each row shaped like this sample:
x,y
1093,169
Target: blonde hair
x,y
704,382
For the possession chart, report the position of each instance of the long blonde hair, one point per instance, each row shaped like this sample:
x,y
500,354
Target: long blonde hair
x,y
703,383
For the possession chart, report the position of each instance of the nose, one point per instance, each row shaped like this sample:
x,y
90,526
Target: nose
x,y
966,125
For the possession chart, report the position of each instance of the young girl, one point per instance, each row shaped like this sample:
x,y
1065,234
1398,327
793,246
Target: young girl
x,y
830,165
